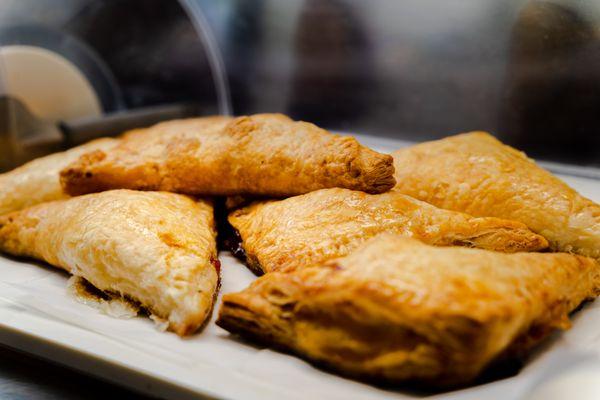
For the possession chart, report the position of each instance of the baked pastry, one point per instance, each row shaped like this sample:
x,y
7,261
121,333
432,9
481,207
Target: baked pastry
x,y
399,310
476,174
330,223
155,248
266,154
38,180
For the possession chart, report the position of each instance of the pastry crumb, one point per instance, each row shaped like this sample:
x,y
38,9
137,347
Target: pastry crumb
x,y
111,305
160,323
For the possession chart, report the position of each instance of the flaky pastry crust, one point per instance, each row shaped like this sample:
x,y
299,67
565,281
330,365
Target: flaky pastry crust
x,y
155,248
330,223
397,310
38,180
476,174
265,154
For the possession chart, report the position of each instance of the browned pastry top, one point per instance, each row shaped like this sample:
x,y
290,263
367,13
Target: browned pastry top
x,y
156,248
265,154
396,309
476,174
329,223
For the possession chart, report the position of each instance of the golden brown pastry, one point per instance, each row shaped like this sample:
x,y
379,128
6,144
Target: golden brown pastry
x,y
397,310
330,223
476,174
155,248
38,180
266,154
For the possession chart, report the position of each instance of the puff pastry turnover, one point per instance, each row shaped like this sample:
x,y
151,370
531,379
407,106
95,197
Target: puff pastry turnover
x,y
267,154
38,180
155,248
330,223
397,309
476,174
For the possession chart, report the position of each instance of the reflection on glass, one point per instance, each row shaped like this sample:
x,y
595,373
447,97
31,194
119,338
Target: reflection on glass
x,y
526,71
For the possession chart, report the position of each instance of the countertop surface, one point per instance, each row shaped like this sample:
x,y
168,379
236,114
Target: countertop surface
x,y
23,377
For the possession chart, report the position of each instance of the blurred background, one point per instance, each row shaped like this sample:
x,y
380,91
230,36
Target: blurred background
x,y
527,71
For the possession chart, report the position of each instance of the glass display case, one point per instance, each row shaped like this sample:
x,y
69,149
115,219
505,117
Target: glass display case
x,y
527,71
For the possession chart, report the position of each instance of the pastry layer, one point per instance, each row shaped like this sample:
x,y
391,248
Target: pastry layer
x,y
330,223
396,309
153,247
265,154
38,181
476,174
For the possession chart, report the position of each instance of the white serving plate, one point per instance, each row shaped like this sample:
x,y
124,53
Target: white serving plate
x,y
39,317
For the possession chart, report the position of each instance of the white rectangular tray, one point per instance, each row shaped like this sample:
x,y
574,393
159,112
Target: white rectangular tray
x,y
37,316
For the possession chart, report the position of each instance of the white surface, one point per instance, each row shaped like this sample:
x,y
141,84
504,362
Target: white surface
x,y
37,315
581,382
50,85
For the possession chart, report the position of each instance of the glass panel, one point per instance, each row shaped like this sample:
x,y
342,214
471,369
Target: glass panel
x,y
527,71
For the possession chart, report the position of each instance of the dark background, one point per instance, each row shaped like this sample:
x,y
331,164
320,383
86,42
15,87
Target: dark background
x,y
23,377
527,71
